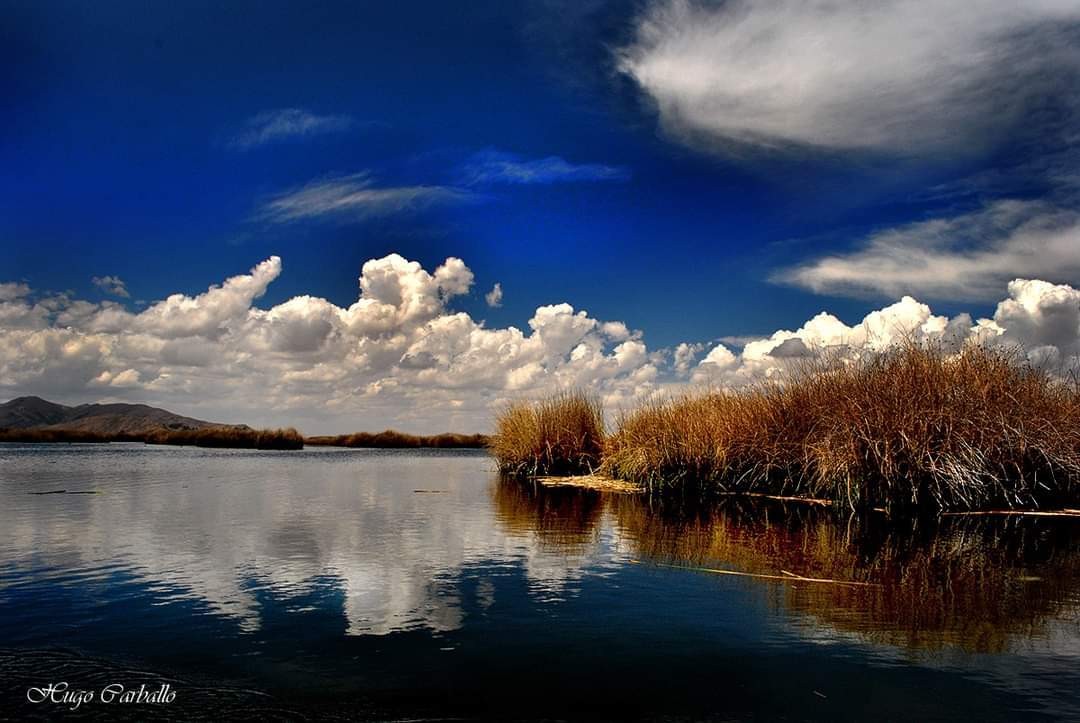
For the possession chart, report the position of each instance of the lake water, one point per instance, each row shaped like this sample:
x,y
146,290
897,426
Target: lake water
x,y
411,585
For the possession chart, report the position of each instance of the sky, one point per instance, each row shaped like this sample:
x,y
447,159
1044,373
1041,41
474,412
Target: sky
x,y
352,215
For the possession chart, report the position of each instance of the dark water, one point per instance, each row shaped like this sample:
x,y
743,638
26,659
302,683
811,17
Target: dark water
x,y
351,583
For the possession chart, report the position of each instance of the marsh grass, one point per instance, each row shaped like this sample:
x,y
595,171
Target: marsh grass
x,y
229,437
391,439
910,427
52,436
223,437
563,434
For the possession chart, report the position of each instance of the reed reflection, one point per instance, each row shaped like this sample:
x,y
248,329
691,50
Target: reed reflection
x,y
972,582
980,584
563,520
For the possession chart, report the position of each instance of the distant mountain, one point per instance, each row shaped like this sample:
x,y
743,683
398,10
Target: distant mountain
x,y
103,419
26,412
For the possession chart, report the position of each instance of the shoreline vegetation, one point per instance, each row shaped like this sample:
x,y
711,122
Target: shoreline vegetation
x,y
219,437
230,438
31,419
911,429
391,439
241,437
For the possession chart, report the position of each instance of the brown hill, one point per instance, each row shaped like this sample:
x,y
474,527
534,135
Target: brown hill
x,y
26,412
99,419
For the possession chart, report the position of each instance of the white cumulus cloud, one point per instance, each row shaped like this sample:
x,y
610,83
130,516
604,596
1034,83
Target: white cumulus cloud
x,y
398,355
1040,319
401,355
12,290
112,285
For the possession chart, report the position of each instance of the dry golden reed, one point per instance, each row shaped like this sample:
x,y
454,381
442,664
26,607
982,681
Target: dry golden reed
x,y
560,435
909,427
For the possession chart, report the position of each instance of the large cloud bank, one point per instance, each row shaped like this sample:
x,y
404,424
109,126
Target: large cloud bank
x,y
398,355
1039,319
401,355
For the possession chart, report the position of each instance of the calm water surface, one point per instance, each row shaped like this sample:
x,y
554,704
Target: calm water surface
x,y
358,583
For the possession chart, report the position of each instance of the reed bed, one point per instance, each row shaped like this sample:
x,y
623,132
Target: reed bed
x,y
910,427
229,437
391,439
53,436
222,437
562,435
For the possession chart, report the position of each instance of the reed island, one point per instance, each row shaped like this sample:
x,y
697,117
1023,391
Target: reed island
x,y
911,429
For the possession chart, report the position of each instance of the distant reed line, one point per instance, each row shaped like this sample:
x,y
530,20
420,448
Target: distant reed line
x,y
222,437
247,438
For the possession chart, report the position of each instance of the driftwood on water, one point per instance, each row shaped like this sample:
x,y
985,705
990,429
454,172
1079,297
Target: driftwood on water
x,y
784,575
604,483
1030,513
801,500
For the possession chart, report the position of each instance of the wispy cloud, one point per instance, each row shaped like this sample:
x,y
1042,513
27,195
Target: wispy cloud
x,y
286,123
112,285
494,167
966,257
355,196
899,77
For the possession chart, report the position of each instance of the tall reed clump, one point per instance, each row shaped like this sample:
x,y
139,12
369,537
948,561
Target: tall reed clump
x,y
913,426
563,434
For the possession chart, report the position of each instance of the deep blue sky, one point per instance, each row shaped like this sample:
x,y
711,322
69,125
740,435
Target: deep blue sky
x,y
116,122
